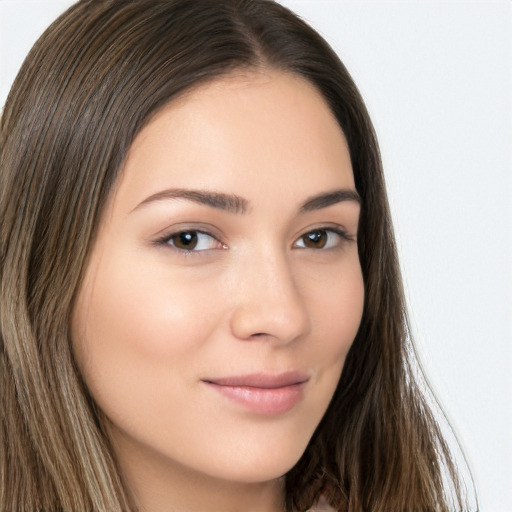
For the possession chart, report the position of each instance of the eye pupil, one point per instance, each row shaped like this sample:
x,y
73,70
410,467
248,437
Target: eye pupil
x,y
186,240
315,239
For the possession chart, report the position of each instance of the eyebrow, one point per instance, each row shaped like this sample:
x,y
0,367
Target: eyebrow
x,y
329,198
238,205
228,202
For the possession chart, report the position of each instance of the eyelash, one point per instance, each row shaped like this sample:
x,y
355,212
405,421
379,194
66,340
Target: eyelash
x,y
343,235
165,240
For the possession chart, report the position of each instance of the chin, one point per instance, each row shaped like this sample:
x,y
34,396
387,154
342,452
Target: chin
x,y
261,465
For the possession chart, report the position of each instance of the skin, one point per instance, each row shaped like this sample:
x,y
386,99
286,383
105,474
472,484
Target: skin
x,y
153,322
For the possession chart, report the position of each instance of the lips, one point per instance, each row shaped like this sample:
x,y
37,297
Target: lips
x,y
261,393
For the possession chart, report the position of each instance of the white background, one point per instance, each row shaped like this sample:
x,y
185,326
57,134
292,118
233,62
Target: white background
x,y
437,78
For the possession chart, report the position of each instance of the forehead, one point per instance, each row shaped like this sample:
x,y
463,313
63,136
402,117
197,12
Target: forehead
x,y
259,128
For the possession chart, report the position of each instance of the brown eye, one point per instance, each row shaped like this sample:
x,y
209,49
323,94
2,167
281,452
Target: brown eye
x,y
187,240
315,239
327,238
192,241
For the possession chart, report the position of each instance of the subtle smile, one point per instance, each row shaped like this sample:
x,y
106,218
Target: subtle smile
x,y
262,393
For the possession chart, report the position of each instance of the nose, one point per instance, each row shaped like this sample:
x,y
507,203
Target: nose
x,y
268,302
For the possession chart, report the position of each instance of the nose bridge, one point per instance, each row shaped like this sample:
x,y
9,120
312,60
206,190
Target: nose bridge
x,y
269,301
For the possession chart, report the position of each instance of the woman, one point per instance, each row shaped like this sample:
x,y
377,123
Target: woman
x,y
201,303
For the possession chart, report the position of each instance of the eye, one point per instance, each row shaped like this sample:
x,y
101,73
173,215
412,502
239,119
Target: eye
x,y
321,239
193,241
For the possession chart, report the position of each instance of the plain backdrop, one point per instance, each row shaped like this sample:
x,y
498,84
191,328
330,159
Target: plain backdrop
x,y
437,79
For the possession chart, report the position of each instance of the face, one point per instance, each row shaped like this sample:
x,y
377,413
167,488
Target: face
x,y
224,288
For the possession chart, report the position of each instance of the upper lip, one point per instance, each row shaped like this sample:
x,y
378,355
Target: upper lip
x,y
262,380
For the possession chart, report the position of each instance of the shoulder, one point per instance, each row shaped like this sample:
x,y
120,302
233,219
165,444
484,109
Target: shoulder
x,y
321,506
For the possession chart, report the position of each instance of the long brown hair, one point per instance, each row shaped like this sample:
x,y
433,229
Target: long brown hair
x,y
91,82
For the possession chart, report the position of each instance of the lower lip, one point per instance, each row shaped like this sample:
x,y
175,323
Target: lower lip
x,y
266,401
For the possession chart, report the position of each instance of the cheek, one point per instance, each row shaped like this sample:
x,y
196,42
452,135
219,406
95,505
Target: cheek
x,y
350,303
134,329
338,308
129,306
